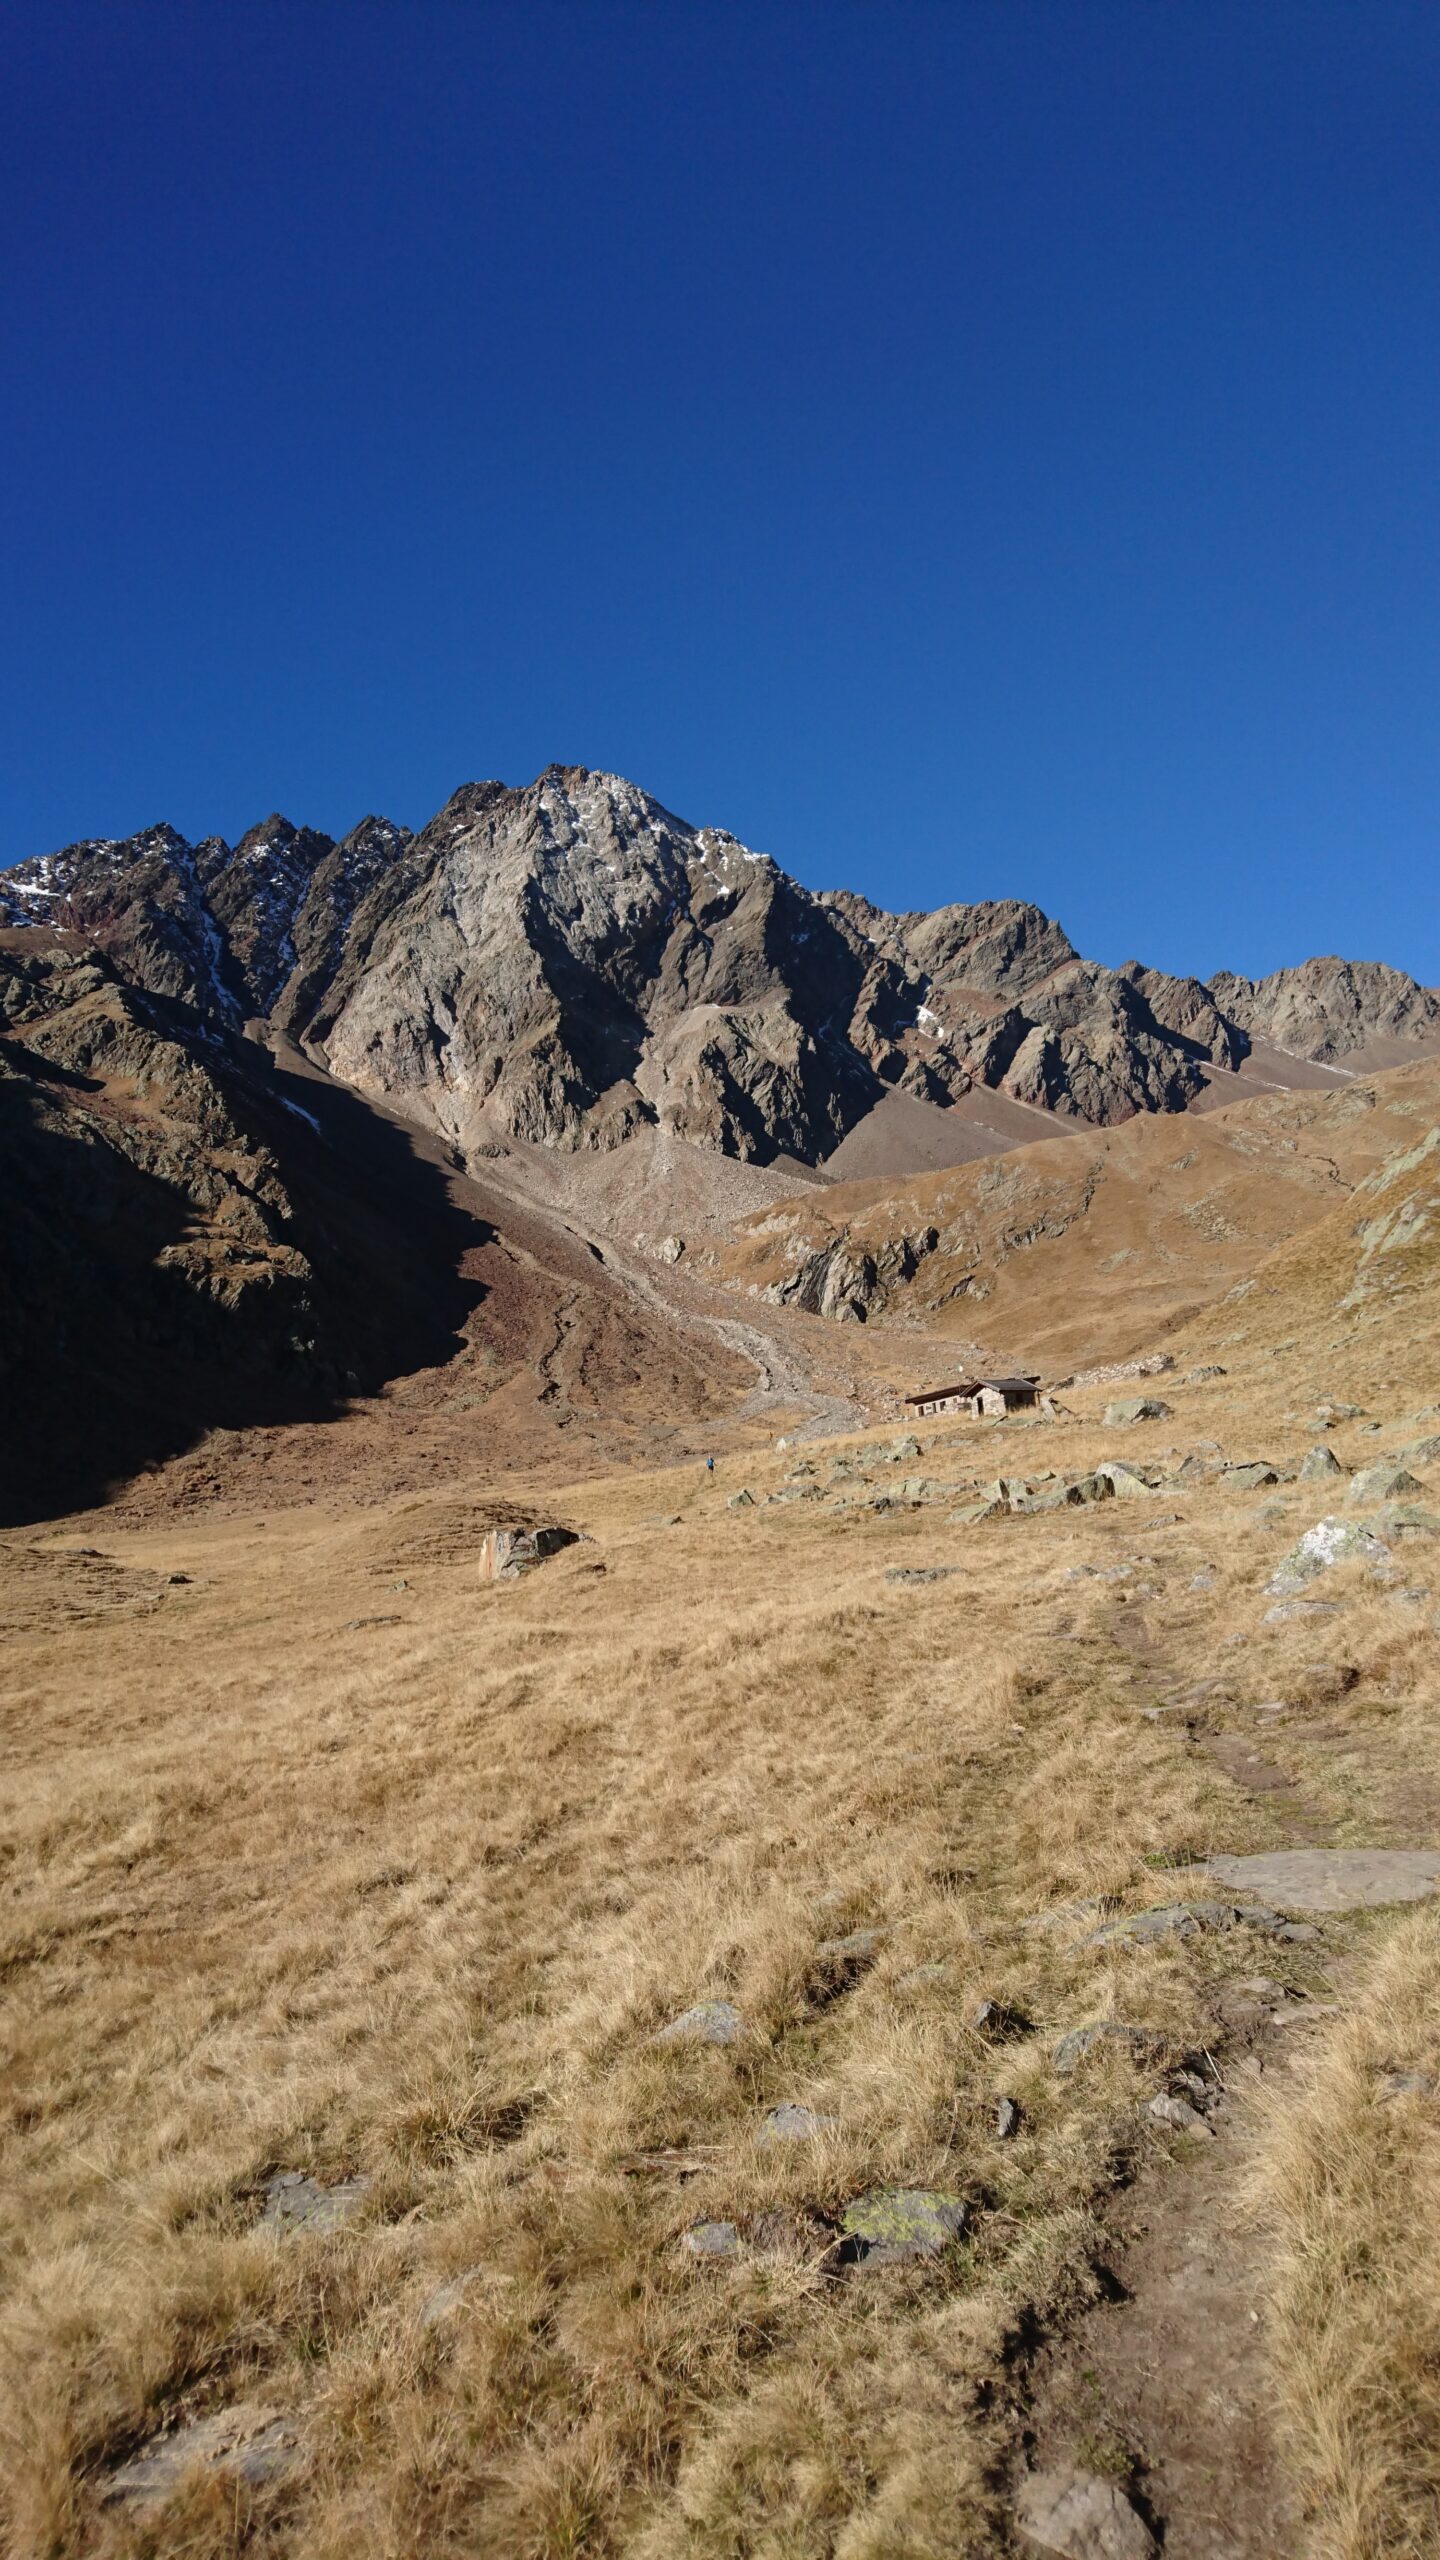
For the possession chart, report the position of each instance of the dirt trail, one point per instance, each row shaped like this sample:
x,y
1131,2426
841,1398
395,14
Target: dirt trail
x,y
1165,2384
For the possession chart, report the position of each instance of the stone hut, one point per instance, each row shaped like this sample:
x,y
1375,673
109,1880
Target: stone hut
x,y
975,1396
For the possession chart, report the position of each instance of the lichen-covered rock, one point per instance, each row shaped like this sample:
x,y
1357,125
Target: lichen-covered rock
x,y
1329,1543
892,2224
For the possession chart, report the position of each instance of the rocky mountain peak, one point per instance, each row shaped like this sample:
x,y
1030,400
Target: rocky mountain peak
x,y
563,962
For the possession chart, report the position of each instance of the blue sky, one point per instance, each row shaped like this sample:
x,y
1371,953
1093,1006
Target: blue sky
x,y
967,450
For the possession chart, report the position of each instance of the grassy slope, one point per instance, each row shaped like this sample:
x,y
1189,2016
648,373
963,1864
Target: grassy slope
x,y
413,1897
1100,1244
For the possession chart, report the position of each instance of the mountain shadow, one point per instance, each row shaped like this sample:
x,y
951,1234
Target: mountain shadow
x,y
277,1252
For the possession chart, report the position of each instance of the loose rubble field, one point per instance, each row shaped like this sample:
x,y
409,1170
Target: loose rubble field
x,y
756,2032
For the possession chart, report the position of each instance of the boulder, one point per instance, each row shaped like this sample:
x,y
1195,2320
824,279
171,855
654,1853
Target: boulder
x,y
708,2022
1330,1542
1319,1461
1135,1409
1248,1476
744,1500
1080,2517
892,2224
670,1248
1208,1369
1382,1484
506,1554
1123,1481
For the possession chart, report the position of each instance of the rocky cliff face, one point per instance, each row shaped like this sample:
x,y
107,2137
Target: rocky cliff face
x,y
565,962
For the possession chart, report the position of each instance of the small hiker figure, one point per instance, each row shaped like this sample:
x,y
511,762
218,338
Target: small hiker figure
x,y
709,1466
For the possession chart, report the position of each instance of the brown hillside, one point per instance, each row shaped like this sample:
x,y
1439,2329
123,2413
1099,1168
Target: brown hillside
x,y
1090,1248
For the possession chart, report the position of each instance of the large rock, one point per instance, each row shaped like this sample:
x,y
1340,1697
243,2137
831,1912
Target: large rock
x,y
1319,1461
1382,1484
1070,2512
1135,1409
1329,1543
708,2022
506,1554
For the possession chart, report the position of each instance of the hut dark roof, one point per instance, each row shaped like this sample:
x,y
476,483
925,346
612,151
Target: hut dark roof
x,y
972,1387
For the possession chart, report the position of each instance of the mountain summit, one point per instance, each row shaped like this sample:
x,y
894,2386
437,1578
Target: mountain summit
x,y
567,962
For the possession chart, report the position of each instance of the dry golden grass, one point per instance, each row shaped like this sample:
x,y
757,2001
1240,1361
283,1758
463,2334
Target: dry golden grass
x,y
411,1899
1348,2185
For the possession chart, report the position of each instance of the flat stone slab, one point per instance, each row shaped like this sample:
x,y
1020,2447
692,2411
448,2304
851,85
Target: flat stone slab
x,y
711,2240
1099,2035
791,2123
248,2442
1333,1879
294,2202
